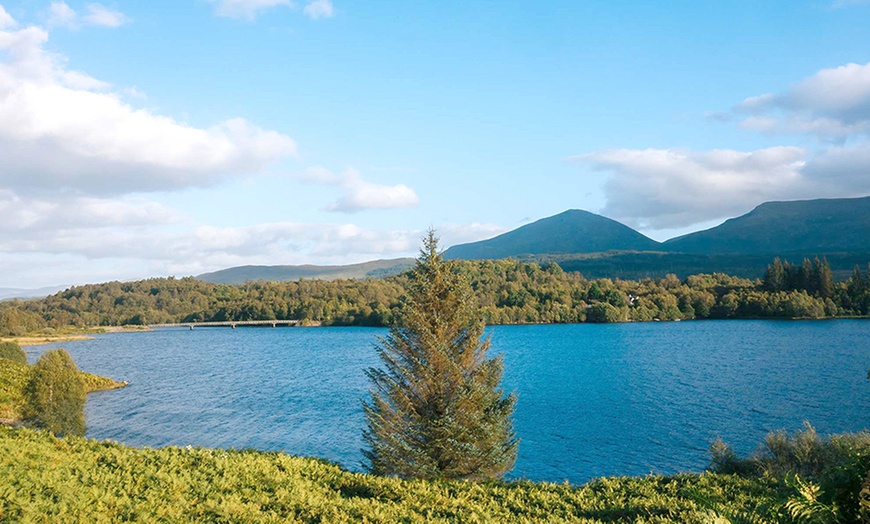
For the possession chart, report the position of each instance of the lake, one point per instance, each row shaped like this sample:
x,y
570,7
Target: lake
x,y
594,400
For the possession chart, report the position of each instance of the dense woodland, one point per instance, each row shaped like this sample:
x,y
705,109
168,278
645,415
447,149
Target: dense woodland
x,y
508,291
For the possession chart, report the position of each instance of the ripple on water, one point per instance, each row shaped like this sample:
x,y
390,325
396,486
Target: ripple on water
x,y
592,399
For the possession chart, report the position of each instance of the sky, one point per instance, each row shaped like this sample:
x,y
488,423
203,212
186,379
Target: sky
x,y
172,138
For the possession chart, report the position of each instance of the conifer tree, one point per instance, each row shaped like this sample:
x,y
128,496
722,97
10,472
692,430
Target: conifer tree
x,y
775,278
54,397
437,410
825,279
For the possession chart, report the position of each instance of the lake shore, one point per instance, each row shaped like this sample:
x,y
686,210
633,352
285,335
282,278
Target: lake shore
x,y
37,339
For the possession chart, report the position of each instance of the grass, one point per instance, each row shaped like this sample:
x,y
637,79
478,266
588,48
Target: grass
x,y
46,479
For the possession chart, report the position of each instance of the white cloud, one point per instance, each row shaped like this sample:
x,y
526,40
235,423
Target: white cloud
x,y
358,194
26,217
62,15
131,252
64,130
100,15
6,20
657,189
319,9
832,104
247,9
842,171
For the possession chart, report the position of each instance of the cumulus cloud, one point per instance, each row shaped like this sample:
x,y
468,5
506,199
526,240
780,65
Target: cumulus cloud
x,y
27,217
6,20
197,250
63,129
841,170
358,194
658,189
319,9
676,188
833,104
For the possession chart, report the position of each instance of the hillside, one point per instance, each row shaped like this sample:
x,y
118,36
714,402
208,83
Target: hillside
x,y
805,227
373,269
89,481
573,231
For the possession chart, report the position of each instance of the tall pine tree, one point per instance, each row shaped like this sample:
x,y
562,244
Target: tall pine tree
x,y
437,410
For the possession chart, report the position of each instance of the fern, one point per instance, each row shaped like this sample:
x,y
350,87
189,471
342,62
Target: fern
x,y
805,506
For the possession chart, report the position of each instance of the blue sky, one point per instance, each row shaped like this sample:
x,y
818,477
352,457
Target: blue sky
x,y
161,138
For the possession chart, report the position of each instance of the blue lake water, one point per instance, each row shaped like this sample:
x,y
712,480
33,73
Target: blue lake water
x,y
594,400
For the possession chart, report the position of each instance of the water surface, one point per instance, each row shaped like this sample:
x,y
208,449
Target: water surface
x,y
618,399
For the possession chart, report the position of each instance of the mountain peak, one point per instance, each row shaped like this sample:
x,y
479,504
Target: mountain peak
x,y
572,231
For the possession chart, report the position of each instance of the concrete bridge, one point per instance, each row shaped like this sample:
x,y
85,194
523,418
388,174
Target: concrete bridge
x,y
229,323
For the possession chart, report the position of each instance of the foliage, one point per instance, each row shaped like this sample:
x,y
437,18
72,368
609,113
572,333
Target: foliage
x,y
12,351
13,378
826,475
82,480
15,321
54,396
436,410
508,291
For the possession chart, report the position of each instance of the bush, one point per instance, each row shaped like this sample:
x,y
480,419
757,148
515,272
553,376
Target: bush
x,y
603,312
54,397
835,468
12,351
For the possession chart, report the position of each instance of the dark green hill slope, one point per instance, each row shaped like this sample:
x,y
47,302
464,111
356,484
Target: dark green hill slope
x,y
573,231
805,227
242,274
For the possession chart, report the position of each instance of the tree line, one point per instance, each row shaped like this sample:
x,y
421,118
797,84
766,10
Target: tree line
x,y
508,292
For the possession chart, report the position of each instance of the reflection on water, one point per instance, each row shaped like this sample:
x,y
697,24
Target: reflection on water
x,y
594,400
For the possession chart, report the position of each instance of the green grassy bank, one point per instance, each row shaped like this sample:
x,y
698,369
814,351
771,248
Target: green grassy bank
x,y
46,479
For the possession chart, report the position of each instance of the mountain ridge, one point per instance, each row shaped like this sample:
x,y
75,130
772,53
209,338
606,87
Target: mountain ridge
x,y
572,231
371,269
598,246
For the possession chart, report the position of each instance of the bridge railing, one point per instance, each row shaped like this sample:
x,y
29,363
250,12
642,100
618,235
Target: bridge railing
x,y
228,323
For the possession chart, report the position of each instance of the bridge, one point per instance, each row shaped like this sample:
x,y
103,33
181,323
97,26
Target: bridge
x,y
229,323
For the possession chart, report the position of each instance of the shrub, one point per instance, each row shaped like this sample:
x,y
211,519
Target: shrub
x,y
54,397
12,351
827,474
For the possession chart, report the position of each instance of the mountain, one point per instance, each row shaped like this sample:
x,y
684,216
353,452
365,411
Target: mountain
x,y
373,269
7,293
573,231
804,227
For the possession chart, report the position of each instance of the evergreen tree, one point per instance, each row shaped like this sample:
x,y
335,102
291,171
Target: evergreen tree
x,y
805,277
825,279
54,397
436,409
775,278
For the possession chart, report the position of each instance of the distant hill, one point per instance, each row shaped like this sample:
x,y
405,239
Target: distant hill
x,y
24,294
573,231
778,228
373,269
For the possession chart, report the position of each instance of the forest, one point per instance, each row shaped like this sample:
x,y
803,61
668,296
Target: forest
x,y
508,292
